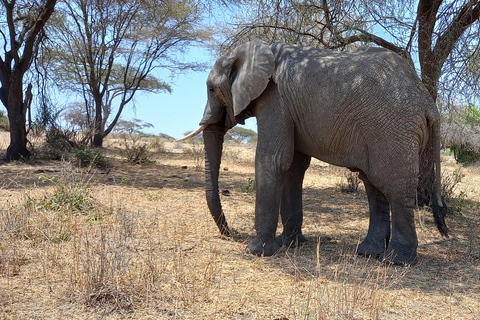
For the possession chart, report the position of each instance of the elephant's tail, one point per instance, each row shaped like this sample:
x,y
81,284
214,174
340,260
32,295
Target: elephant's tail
x,y
439,207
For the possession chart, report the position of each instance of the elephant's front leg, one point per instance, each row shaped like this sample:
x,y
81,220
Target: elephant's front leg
x,y
271,165
269,192
291,207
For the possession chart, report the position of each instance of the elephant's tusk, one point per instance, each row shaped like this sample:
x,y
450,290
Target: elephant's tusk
x,y
194,133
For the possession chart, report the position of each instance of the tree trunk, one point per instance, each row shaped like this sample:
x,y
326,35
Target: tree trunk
x,y
430,77
17,119
18,58
18,136
97,140
98,134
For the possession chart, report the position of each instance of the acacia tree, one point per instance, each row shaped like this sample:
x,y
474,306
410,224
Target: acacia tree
x,y
241,135
442,36
22,31
107,50
439,37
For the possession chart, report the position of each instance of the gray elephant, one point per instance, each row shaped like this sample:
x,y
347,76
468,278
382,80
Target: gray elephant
x,y
365,110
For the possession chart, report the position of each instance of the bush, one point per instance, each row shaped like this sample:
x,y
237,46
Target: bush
x,y
158,145
69,194
351,184
59,144
461,132
4,123
136,151
465,154
249,186
197,150
88,157
450,183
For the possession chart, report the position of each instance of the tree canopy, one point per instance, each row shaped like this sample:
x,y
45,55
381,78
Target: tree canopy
x,y
104,52
440,37
241,135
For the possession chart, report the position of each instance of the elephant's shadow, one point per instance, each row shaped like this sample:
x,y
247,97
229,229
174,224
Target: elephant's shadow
x,y
330,250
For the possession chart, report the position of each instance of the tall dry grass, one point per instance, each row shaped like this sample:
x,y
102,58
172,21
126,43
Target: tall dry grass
x,y
143,246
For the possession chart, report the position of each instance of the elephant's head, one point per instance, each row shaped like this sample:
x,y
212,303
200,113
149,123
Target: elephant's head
x,y
235,80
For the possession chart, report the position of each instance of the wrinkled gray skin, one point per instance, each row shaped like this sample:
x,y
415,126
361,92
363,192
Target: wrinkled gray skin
x,y
367,111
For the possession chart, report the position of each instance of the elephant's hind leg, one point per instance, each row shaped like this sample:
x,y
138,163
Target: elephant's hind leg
x,y
291,207
378,236
400,190
402,249
394,172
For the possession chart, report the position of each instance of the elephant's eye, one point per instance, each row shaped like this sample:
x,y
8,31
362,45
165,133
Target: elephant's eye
x,y
211,89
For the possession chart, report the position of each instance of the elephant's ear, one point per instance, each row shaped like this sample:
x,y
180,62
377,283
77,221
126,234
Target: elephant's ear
x,y
252,66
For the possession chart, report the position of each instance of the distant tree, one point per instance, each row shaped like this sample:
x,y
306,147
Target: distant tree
x,y
241,135
106,51
166,136
198,138
132,127
79,116
22,31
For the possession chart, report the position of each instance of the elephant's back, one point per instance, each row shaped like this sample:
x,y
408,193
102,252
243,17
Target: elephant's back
x,y
353,99
333,80
342,71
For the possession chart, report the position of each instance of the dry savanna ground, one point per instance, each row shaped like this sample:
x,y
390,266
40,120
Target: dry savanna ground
x,y
138,242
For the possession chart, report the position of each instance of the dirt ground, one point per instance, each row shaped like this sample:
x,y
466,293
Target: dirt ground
x,y
138,242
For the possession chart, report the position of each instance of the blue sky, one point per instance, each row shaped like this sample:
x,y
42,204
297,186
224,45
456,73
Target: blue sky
x,y
180,111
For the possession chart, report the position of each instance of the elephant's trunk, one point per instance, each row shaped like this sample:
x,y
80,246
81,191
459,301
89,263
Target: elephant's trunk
x,y
213,140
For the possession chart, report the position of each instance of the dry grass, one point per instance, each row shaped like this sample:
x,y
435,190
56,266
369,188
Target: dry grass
x,y
145,247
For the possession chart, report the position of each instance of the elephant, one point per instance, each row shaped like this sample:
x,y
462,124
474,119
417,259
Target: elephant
x,y
366,110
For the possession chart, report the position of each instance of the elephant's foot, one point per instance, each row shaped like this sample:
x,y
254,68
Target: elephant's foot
x,y
294,240
372,248
263,248
398,256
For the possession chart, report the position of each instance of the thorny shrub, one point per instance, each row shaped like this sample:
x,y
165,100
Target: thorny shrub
x,y
197,150
450,184
350,183
135,149
103,267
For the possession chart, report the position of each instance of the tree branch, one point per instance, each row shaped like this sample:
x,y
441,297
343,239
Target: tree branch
x,y
365,36
14,45
31,39
468,15
426,16
302,33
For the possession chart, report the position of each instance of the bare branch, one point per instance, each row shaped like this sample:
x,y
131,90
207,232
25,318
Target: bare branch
x,y
31,39
468,15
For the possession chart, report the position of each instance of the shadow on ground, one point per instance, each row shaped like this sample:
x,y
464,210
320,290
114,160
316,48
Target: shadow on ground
x,y
334,224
